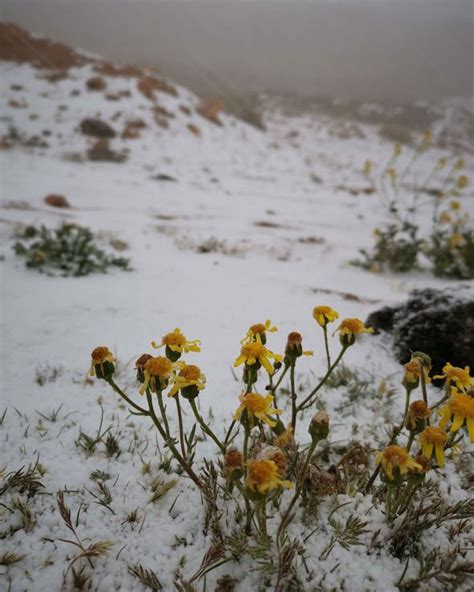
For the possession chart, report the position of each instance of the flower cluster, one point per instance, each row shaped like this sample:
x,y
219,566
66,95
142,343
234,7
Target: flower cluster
x,y
260,462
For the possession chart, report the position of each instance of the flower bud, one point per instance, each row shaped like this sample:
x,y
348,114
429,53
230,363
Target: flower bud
x,y
233,464
411,378
424,359
319,426
102,363
418,414
140,367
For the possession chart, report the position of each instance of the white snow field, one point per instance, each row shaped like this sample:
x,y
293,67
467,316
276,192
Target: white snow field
x,y
254,225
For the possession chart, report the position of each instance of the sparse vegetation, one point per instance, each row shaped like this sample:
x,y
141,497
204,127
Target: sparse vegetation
x,y
68,250
399,246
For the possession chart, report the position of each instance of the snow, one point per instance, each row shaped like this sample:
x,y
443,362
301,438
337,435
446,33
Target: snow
x,y
228,181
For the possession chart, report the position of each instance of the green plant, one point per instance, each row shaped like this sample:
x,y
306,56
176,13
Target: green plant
x,y
68,250
396,247
448,244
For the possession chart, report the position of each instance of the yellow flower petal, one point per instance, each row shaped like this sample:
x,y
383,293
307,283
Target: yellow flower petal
x,y
439,452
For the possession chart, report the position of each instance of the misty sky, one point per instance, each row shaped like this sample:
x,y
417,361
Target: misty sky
x,y
371,49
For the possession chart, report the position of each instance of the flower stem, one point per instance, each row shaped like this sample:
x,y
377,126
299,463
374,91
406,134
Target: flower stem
x,y
205,428
293,394
307,402
299,487
423,390
326,346
119,391
169,442
180,424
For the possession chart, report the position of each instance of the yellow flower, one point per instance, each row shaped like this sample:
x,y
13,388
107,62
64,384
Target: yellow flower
x,y
263,476
459,407
397,150
259,329
188,376
396,458
442,162
368,166
156,373
433,438
256,353
455,205
459,164
177,343
324,315
257,406
462,182
445,218
455,240
277,456
349,328
102,362
285,438
460,377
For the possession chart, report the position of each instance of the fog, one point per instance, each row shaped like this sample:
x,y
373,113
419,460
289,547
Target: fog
x,y
353,49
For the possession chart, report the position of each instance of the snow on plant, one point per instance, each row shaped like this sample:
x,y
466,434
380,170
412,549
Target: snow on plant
x,y
68,250
263,475
448,242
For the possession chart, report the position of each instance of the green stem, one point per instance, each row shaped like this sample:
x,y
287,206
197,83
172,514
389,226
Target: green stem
x,y
125,398
169,442
205,428
228,439
180,425
260,513
293,394
424,391
307,402
164,417
326,346
299,488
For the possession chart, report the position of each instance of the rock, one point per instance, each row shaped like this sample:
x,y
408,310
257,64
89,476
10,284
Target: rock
x,y
163,177
185,110
149,84
101,151
97,128
56,201
210,110
439,323
96,83
132,129
194,129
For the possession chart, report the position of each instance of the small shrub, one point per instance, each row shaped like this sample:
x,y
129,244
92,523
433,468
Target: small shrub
x,y
452,254
449,244
396,247
68,250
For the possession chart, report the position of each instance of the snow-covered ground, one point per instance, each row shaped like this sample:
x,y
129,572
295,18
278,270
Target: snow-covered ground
x,y
279,213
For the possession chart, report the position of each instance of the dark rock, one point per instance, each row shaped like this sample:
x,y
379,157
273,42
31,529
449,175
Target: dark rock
x,y
439,323
382,319
96,83
97,128
163,177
